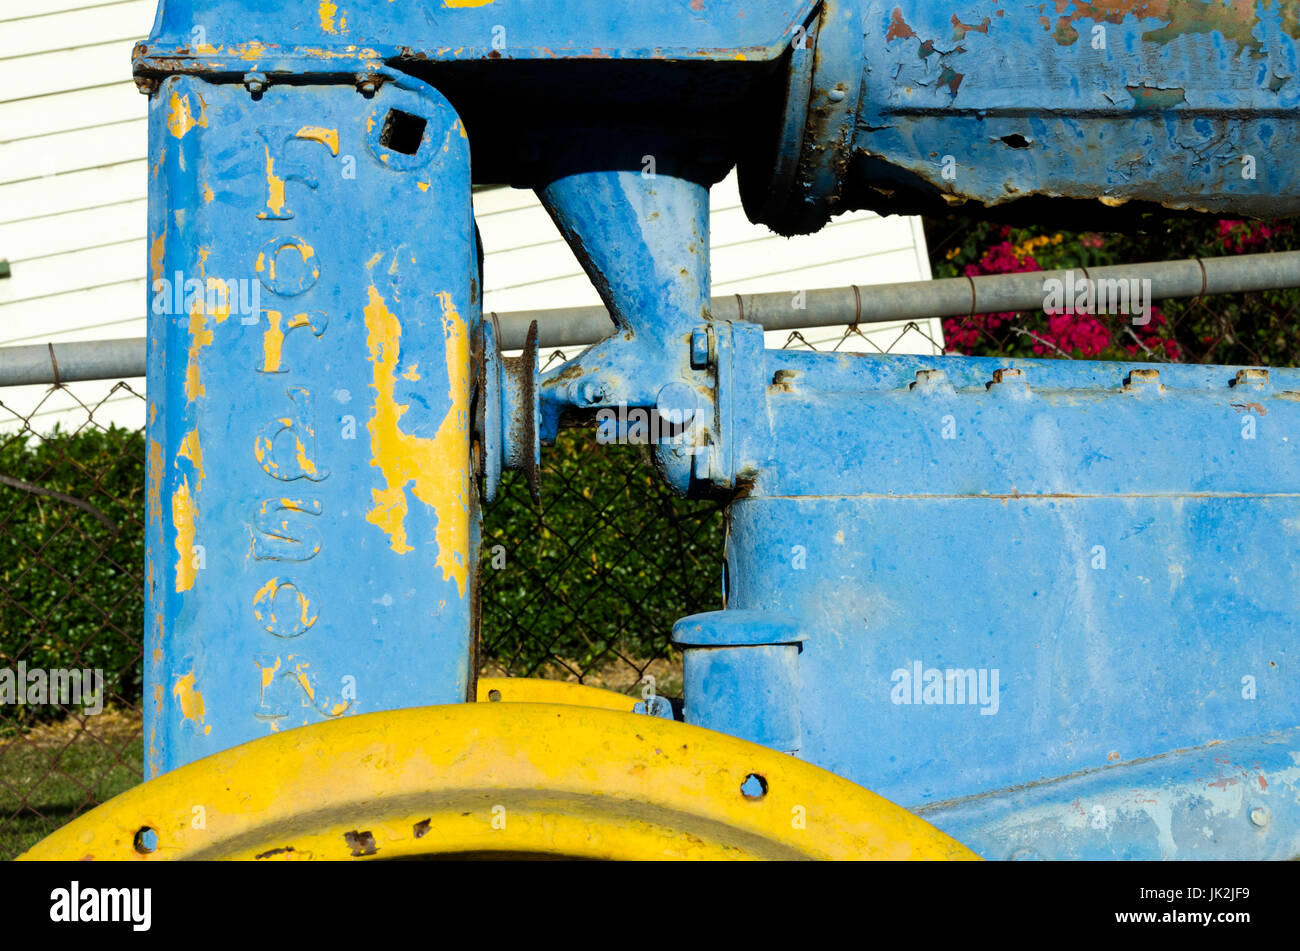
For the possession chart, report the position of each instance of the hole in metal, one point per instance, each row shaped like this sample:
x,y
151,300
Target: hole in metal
x,y
146,840
402,132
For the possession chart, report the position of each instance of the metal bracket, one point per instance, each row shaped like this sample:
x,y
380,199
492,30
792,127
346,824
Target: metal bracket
x,y
508,415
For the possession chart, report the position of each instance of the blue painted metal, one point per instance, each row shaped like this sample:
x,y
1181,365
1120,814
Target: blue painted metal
x,y
741,673
209,35
1232,800
304,561
1002,593
1011,571
1190,104
643,238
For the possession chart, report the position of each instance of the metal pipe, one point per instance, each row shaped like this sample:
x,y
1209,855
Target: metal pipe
x,y
70,362
872,304
921,300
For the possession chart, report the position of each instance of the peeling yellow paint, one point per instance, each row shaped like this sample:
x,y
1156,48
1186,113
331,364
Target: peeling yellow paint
x,y
328,11
183,522
156,256
273,338
191,450
207,193
423,186
316,133
412,372
153,483
191,700
274,188
374,259
436,469
461,4
298,675
268,674
267,264
180,114
305,462
201,334
266,594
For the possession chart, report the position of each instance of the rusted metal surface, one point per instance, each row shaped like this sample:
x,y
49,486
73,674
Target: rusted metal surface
x,y
1186,103
1189,104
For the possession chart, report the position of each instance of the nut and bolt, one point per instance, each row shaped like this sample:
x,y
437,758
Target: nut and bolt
x,y
255,83
590,392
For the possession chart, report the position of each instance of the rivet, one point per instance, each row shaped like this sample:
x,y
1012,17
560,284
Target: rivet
x,y
1259,816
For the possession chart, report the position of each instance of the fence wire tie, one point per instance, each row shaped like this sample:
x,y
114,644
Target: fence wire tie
x,y
54,363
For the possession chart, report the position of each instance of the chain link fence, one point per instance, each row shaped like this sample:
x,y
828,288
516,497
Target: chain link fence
x,y
71,607
583,587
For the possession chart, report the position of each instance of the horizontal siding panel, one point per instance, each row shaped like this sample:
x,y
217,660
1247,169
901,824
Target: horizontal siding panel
x,y
73,191
46,73
75,231
22,9
74,28
105,309
563,292
76,270
498,199
73,151
884,268
62,112
530,266
508,229
112,330
848,262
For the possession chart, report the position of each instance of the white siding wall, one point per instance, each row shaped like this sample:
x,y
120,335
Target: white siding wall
x,y
72,213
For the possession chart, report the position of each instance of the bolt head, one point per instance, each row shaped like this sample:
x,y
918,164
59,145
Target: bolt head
x,y
593,392
1259,816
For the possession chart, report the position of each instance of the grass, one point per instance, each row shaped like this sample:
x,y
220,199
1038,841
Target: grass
x,y
53,773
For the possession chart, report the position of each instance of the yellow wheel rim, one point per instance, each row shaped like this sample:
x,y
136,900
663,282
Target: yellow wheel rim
x,y
503,779
534,690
